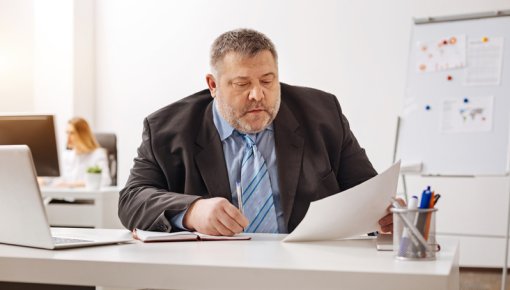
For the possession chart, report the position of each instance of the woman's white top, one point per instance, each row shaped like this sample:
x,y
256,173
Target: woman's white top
x,y
74,166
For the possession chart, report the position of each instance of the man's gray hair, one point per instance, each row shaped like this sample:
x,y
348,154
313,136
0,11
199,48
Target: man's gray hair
x,y
247,42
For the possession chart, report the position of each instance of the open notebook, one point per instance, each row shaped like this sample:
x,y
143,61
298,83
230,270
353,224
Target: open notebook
x,y
149,236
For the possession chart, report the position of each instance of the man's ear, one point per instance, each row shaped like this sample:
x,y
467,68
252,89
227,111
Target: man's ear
x,y
211,83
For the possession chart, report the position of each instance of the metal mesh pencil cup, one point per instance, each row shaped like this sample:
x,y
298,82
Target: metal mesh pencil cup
x,y
414,233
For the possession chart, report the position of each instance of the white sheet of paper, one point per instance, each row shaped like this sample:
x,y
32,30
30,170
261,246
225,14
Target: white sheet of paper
x,y
471,114
352,212
485,60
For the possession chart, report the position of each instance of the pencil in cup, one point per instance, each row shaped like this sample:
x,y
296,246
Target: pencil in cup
x,y
414,245
407,240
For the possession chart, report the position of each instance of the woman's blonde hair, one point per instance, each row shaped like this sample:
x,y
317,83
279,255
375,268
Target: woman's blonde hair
x,y
84,135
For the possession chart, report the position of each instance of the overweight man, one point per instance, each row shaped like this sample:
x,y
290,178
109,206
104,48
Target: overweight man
x,y
247,154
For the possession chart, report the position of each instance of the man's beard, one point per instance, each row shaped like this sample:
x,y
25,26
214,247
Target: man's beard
x,y
240,124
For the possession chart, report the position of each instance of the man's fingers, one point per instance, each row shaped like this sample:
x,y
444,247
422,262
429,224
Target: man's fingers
x,y
221,228
228,222
386,223
211,231
215,216
386,220
236,215
387,229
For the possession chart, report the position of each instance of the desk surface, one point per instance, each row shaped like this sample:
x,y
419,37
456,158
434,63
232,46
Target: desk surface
x,y
260,263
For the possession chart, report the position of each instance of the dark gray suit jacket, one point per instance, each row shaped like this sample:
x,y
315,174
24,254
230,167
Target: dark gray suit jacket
x,y
181,158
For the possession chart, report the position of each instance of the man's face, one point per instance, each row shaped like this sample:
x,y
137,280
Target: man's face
x,y
247,90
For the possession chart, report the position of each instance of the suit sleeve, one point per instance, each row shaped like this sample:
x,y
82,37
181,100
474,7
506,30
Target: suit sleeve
x,y
147,202
355,168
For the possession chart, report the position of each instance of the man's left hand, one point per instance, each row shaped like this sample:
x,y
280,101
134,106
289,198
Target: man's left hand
x,y
386,222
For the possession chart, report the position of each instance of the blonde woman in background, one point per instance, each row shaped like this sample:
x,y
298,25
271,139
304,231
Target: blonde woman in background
x,y
82,152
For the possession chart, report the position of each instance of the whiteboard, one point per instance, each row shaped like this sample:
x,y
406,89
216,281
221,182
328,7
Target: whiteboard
x,y
456,115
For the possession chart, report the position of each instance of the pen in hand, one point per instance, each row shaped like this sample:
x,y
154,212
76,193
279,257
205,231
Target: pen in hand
x,y
239,191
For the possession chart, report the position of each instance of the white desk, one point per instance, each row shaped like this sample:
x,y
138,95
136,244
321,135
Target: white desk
x,y
90,208
264,262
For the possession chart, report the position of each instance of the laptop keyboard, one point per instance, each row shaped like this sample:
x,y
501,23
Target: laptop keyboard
x,y
59,241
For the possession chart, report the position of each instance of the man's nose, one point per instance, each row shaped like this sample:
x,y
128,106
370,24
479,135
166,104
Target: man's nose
x,y
256,93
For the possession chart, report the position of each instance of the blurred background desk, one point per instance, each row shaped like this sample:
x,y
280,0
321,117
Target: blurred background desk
x,y
82,207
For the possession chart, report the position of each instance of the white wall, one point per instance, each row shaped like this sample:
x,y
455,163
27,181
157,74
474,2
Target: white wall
x,y
16,55
64,63
152,53
116,61
53,62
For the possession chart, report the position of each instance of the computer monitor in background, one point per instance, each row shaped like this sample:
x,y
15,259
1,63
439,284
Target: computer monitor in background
x,y
36,131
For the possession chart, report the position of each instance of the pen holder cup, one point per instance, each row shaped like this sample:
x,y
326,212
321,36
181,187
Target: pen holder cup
x,y
414,233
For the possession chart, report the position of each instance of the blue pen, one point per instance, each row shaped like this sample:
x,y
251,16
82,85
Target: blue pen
x,y
425,198
424,204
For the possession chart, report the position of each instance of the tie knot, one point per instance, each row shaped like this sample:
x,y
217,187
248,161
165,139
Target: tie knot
x,y
247,139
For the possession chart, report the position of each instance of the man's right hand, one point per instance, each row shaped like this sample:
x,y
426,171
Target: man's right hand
x,y
215,216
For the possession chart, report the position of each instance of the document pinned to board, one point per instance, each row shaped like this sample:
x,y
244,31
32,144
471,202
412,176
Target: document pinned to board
x,y
355,211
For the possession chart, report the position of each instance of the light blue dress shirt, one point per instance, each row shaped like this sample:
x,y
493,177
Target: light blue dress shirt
x,y
233,145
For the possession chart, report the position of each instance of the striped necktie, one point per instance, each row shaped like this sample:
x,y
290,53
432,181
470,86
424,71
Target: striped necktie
x,y
257,194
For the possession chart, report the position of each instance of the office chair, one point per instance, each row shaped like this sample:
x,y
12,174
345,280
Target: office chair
x,y
108,141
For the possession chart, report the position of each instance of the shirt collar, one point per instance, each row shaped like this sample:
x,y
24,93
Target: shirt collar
x,y
225,130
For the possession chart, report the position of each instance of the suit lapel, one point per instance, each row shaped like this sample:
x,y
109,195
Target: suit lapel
x,y
289,154
209,158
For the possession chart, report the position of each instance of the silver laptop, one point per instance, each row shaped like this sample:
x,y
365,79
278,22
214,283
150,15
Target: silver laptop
x,y
23,218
